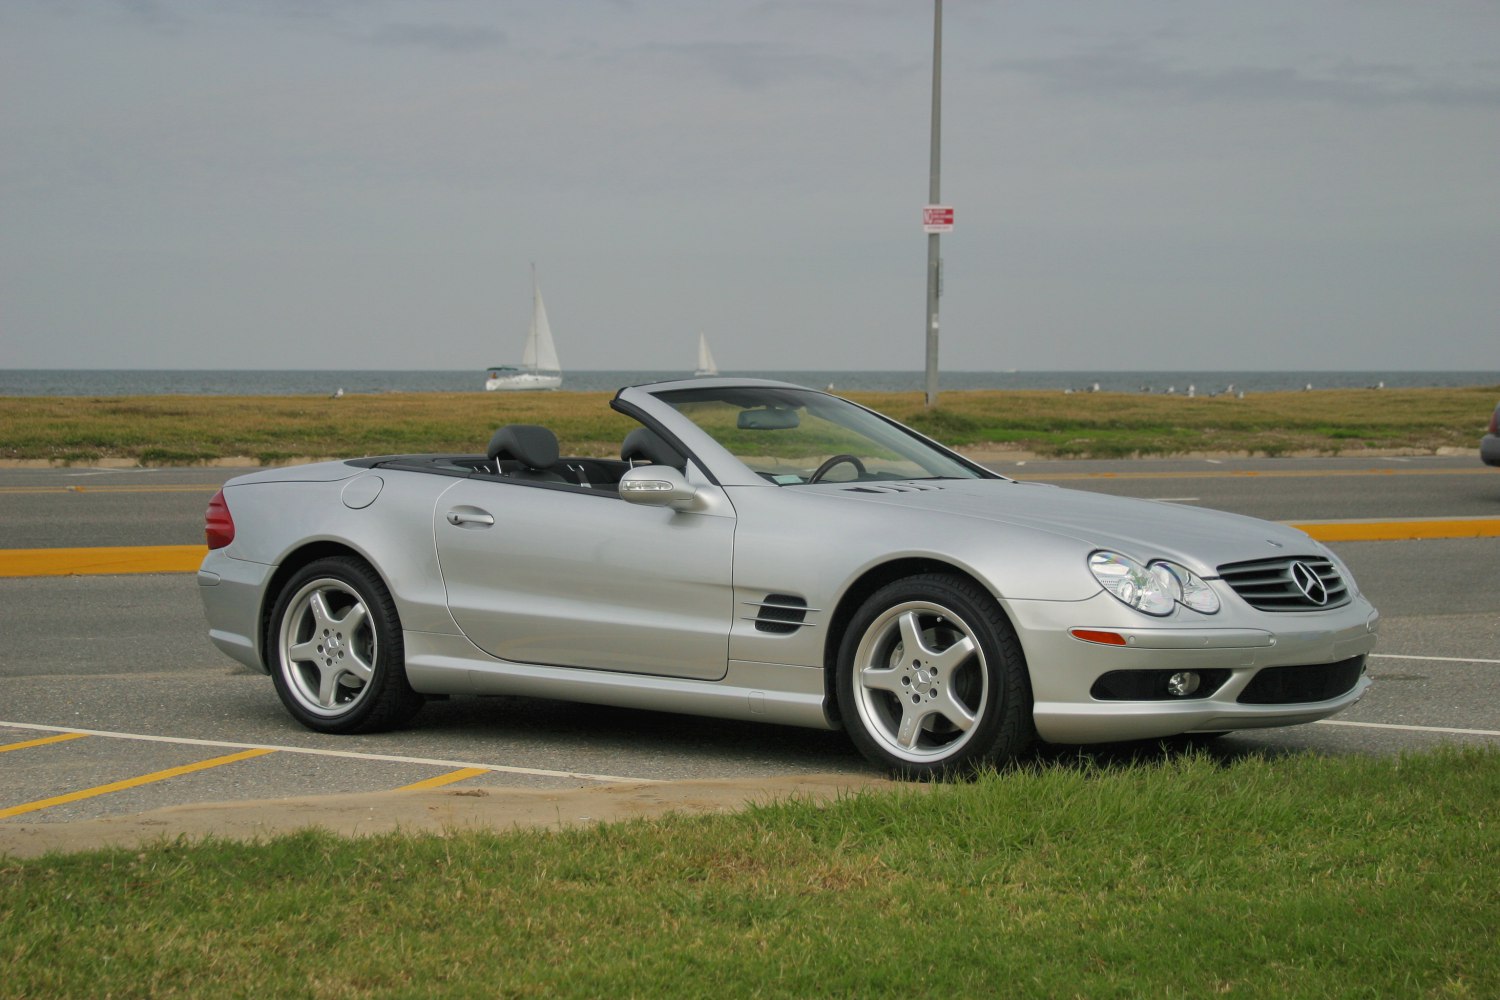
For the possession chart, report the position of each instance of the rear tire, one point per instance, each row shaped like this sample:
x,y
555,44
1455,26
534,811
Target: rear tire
x,y
336,654
931,679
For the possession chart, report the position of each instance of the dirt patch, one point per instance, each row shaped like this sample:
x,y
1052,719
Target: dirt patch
x,y
427,811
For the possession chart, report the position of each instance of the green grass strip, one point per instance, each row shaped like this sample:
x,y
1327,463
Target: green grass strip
x,y
1295,876
186,430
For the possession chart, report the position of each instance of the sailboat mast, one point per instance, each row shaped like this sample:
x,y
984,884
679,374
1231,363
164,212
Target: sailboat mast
x,y
531,333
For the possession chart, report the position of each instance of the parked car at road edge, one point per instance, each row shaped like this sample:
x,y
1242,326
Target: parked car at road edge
x,y
1489,445
765,552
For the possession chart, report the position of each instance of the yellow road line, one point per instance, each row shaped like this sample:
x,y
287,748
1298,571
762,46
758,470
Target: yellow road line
x,y
96,561
186,558
120,786
1402,530
445,779
63,738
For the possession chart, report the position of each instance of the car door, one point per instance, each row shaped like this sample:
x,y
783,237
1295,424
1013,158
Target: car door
x,y
579,578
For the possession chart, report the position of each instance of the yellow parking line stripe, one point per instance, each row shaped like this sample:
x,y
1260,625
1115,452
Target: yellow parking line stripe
x,y
63,738
1401,530
120,786
445,779
99,561
340,754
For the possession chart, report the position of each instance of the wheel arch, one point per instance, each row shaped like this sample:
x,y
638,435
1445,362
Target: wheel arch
x,y
290,565
859,591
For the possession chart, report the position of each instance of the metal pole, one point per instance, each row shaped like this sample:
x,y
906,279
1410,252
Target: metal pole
x,y
933,259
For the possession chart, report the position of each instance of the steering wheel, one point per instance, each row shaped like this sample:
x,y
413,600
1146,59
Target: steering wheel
x,y
836,460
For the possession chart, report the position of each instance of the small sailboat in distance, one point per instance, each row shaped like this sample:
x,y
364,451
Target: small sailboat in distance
x,y
706,364
539,366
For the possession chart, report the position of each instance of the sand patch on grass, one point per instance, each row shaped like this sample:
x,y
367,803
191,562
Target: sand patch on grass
x,y
432,811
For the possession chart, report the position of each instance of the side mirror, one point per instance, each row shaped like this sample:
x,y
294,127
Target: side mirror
x,y
658,486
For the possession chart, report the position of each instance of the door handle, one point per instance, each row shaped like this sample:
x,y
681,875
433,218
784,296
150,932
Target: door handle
x,y
463,517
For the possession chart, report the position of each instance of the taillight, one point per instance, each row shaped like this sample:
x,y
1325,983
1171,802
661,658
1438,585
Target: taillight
x,y
1495,421
218,526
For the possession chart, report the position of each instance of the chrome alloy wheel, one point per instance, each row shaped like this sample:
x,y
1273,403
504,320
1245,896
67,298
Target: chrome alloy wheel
x,y
327,648
921,683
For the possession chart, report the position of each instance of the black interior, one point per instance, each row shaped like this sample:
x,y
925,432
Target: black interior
x,y
529,453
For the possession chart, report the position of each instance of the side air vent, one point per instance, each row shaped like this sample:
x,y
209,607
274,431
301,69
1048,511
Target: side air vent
x,y
894,488
1288,583
779,614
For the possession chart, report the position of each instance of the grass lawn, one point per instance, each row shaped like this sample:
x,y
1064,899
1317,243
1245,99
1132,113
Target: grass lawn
x,y
178,430
1296,876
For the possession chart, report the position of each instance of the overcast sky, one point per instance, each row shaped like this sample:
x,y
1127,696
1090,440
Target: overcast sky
x,y
345,184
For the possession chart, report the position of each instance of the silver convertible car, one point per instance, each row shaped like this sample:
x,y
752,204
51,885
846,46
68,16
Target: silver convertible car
x,y
766,552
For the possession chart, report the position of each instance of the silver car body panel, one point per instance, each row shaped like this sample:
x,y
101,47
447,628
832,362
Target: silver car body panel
x,y
573,579
514,587
751,692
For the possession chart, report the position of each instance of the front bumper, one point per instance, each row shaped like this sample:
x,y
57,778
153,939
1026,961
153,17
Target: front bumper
x,y
1064,669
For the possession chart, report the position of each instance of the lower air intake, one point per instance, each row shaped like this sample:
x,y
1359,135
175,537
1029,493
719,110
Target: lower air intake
x,y
1298,685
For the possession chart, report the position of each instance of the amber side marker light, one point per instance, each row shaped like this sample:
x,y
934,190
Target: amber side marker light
x,y
1094,635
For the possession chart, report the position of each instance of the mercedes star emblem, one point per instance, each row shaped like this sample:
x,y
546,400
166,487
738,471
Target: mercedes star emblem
x,y
1309,583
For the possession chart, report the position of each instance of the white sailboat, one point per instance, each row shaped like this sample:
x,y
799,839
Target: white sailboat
x,y
706,364
539,366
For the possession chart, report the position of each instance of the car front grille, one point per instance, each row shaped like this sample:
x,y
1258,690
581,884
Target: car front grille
x,y
1287,583
1298,685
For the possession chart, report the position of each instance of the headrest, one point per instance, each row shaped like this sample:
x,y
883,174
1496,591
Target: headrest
x,y
644,443
532,446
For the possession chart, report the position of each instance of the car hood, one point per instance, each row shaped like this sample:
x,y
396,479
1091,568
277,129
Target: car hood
x,y
1197,537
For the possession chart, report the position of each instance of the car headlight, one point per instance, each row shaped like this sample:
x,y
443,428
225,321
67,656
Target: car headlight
x,y
1193,591
1155,589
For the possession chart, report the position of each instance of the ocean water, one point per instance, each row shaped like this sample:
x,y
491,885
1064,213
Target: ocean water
x,y
156,382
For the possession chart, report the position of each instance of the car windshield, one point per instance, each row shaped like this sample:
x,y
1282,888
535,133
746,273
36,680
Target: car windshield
x,y
795,436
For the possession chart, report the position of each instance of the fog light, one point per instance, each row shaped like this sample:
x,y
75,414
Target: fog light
x,y
1183,683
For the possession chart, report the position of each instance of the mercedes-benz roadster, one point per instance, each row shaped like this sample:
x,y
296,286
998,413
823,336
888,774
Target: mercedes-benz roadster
x,y
766,552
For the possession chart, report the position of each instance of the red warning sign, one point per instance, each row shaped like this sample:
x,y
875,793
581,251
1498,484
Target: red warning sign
x,y
937,219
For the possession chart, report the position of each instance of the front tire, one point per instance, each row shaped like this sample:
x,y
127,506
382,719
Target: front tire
x,y
337,658
931,679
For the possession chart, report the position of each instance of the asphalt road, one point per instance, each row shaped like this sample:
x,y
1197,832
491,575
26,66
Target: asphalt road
x,y
125,658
